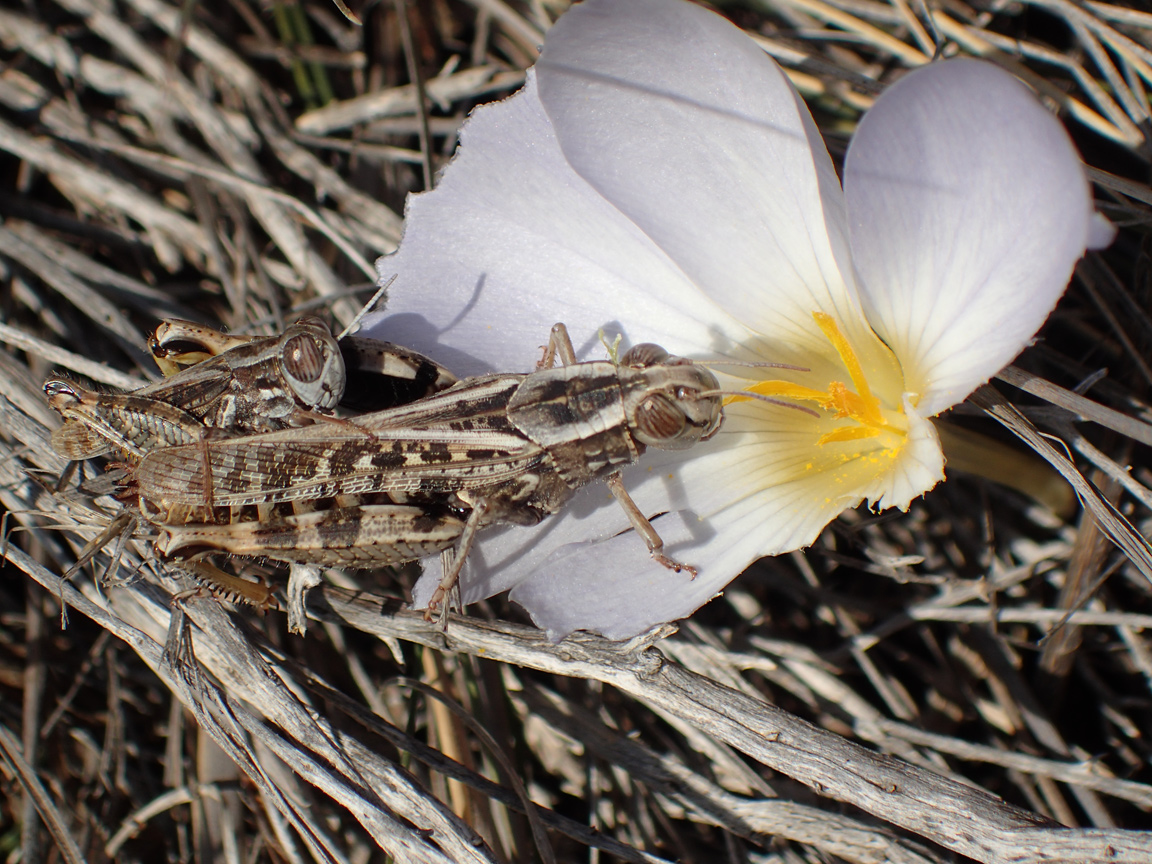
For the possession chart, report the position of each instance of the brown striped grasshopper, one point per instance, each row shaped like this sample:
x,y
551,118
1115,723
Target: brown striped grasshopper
x,y
497,448
235,384
222,385
300,365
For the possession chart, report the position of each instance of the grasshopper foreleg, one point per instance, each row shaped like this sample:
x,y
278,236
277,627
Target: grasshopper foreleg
x,y
559,345
476,519
642,526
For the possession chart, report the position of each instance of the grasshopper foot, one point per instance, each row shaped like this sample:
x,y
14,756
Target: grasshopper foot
x,y
676,566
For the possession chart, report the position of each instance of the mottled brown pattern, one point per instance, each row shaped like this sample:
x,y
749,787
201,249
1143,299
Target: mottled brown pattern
x,y
360,536
503,448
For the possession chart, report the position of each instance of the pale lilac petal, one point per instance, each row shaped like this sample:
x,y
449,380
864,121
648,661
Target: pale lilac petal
x,y
683,123
968,208
611,585
1101,232
615,584
512,241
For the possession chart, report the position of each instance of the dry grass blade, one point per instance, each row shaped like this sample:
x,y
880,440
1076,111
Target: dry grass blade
x,y
1085,409
970,679
11,753
1117,527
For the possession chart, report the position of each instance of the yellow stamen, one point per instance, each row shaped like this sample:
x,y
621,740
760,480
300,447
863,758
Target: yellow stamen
x,y
848,433
786,390
859,404
847,355
863,409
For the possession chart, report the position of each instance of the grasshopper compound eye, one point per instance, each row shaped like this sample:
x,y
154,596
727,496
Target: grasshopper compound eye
x,y
660,422
313,365
679,406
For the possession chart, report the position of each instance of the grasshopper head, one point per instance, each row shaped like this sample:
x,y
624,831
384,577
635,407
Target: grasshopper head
x,y
675,404
312,364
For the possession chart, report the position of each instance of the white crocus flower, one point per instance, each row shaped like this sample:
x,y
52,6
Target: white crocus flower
x,y
659,178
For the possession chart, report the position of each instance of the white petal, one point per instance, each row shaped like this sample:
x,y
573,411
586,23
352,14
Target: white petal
x,y
918,468
512,241
968,207
1101,233
687,126
613,587
610,586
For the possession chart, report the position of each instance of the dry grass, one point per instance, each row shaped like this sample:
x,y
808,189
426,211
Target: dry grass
x,y
239,163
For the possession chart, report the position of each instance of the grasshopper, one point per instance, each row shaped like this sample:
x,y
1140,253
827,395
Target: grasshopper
x,y
302,364
230,383
222,385
236,384
249,384
96,423
497,448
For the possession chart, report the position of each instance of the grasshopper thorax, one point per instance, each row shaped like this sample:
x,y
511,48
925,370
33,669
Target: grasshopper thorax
x,y
675,403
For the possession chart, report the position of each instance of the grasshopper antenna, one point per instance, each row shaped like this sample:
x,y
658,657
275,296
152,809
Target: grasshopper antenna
x,y
365,309
763,364
744,394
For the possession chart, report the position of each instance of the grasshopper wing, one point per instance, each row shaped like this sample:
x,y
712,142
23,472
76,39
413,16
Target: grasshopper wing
x,y
456,440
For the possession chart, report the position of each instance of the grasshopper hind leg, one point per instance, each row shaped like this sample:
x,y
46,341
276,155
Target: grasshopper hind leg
x,y
120,528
